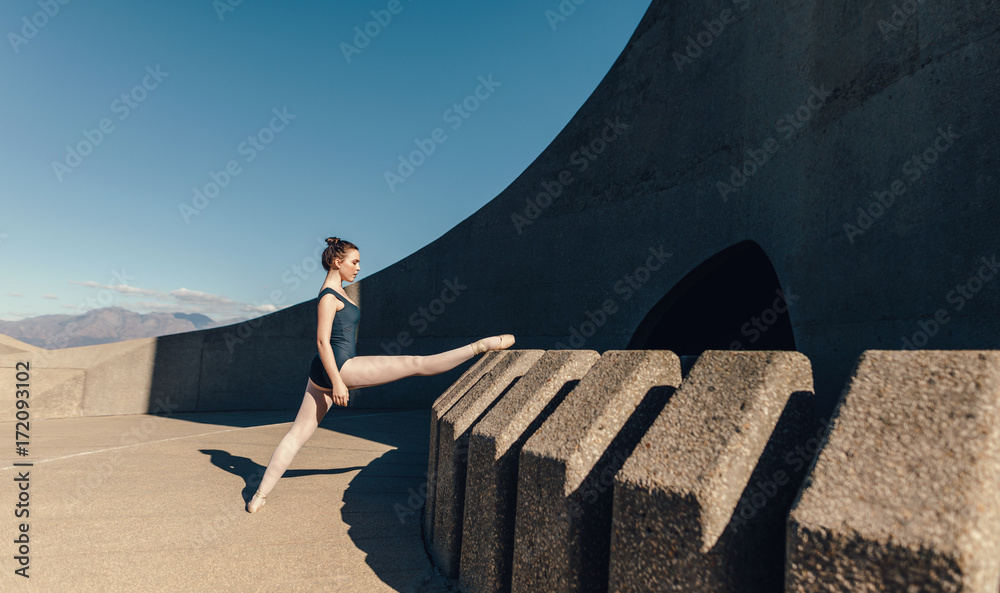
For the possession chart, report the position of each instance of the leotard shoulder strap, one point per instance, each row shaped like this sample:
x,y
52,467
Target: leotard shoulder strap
x,y
336,294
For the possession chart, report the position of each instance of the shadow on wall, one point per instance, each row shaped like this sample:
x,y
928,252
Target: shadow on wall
x,y
259,364
732,301
263,364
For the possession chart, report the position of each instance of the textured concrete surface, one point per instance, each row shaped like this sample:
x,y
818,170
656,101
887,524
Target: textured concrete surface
x,y
439,408
563,519
903,496
156,503
258,364
494,449
85,381
812,114
453,451
675,524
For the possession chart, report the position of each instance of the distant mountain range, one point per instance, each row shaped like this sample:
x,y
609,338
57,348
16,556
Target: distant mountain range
x,y
105,325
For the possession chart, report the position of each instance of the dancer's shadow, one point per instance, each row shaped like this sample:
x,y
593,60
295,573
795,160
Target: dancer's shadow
x,y
383,503
253,472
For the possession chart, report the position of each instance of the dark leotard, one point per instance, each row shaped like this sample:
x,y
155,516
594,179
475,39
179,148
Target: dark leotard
x,y
343,335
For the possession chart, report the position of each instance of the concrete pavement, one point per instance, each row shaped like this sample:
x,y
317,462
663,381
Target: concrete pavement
x,y
156,503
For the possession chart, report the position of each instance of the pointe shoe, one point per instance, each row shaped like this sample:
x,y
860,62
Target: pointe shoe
x,y
487,344
257,496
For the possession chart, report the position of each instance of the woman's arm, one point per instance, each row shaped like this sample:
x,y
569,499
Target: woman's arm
x,y
327,309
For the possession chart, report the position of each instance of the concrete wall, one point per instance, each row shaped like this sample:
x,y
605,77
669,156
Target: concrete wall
x,y
833,101
871,103
262,364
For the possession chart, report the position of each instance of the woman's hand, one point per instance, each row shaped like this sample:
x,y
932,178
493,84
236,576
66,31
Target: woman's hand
x,y
340,394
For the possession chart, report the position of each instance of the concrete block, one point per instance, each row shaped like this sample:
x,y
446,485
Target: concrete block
x,y
119,382
675,524
97,380
439,408
903,495
453,444
563,519
494,448
10,346
52,393
103,379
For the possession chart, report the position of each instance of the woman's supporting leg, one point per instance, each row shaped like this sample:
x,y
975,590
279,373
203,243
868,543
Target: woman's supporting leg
x,y
315,404
358,372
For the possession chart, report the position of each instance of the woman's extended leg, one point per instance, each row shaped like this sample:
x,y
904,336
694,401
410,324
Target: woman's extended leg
x,y
368,371
315,404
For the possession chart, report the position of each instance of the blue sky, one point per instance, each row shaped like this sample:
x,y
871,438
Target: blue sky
x,y
284,119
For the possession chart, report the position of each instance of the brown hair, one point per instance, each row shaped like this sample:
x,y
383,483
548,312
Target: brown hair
x,y
336,249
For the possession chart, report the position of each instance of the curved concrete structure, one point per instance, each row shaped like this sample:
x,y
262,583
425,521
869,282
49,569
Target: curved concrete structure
x,y
747,176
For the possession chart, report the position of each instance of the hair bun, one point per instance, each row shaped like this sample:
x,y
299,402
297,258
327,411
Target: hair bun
x,y
332,241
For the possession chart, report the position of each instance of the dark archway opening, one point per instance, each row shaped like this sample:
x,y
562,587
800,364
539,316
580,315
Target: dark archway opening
x,y
732,301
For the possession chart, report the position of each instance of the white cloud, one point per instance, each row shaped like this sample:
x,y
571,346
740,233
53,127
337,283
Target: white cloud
x,y
181,300
126,289
120,288
194,296
50,296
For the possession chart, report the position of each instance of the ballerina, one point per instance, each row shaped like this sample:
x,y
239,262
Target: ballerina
x,y
336,368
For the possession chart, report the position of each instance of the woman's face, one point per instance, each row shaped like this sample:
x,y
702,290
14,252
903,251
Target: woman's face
x,y
351,265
